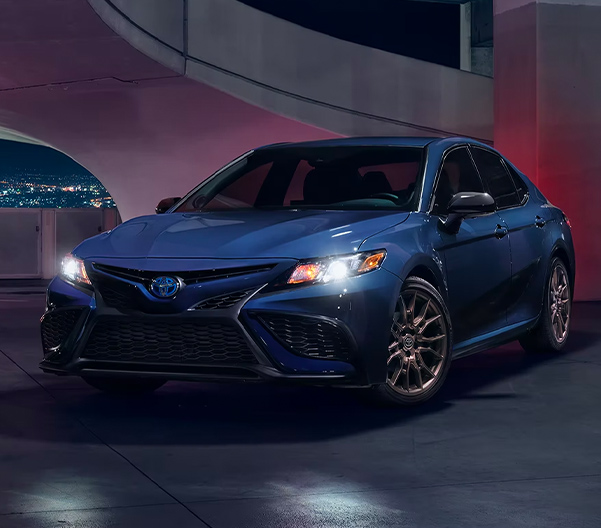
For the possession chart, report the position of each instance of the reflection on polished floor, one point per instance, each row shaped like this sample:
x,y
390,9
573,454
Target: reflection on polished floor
x,y
511,441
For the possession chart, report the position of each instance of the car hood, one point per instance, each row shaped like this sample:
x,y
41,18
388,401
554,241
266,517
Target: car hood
x,y
240,234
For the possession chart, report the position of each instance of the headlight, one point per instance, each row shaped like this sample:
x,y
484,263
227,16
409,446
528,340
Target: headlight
x,y
336,268
73,269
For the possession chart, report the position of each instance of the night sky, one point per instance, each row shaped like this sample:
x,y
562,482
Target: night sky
x,y
36,176
36,159
415,29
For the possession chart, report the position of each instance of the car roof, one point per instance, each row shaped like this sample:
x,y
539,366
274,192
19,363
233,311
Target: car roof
x,y
374,141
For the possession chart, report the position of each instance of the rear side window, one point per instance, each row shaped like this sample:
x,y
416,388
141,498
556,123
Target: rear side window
x,y
520,186
496,178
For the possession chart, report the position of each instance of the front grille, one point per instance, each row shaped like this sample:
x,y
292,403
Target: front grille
x,y
56,327
189,277
120,295
171,342
222,302
309,336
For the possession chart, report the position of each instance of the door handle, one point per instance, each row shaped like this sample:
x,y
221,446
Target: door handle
x,y
500,231
539,222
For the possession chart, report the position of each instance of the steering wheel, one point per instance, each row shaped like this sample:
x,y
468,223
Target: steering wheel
x,y
385,196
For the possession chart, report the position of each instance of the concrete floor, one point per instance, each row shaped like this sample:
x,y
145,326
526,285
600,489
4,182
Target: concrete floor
x,y
512,441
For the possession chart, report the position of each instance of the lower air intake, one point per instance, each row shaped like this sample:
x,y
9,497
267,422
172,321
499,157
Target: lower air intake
x,y
309,336
170,342
56,327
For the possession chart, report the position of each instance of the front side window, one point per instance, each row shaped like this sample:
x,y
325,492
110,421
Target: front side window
x,y
499,183
457,174
315,177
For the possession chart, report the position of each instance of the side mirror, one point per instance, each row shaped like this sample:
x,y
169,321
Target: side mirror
x,y
466,204
471,203
165,204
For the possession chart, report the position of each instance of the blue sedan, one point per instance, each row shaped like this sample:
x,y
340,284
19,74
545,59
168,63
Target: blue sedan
x,y
362,262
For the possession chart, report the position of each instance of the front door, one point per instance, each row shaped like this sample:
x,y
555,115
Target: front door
x,y
476,259
478,276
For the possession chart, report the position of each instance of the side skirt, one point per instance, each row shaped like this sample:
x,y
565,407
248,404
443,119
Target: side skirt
x,y
492,339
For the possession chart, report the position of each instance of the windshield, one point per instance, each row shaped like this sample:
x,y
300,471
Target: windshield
x,y
314,178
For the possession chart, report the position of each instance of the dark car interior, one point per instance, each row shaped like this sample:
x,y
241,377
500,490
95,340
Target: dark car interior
x,y
353,178
340,184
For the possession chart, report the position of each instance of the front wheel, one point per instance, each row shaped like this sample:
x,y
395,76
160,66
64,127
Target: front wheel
x,y
551,331
419,350
125,386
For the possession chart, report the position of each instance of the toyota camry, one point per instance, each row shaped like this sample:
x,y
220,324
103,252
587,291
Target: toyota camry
x,y
358,262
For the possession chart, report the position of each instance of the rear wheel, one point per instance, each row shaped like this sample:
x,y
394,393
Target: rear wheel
x,y
126,386
551,331
419,350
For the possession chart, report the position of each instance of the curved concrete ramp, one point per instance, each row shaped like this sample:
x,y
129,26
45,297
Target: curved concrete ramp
x,y
308,76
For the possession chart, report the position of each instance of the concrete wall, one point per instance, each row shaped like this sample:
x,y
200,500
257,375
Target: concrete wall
x,y
34,241
548,111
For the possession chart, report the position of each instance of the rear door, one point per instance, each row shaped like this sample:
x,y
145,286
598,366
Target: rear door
x,y
526,225
476,259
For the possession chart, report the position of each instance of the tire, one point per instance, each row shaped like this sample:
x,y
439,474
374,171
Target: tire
x,y
125,386
549,334
419,354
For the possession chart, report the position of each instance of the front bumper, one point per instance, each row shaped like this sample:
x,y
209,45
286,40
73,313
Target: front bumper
x,y
273,335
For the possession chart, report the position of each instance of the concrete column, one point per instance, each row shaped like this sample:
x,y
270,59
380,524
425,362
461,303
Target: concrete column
x,y
465,31
548,112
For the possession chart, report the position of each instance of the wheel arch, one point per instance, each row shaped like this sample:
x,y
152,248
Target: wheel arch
x,y
425,267
560,251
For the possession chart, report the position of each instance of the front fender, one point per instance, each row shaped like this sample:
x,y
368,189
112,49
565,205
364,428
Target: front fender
x,y
410,248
